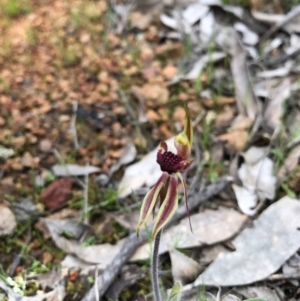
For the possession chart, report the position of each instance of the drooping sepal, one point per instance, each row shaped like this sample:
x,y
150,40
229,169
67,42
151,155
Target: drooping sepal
x,y
168,207
185,197
184,140
150,201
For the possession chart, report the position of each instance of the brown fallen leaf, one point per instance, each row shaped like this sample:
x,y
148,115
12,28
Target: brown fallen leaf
x,y
169,71
179,115
225,117
140,21
152,94
151,115
241,122
45,145
236,140
27,160
57,193
2,121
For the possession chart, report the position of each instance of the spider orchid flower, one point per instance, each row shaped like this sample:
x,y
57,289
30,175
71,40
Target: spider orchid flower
x,y
164,194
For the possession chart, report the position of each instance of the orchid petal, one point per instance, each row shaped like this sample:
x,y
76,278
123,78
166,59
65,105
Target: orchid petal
x,y
168,206
185,198
150,200
184,140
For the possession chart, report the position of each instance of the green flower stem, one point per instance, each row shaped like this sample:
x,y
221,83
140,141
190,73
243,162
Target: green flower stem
x,y
154,270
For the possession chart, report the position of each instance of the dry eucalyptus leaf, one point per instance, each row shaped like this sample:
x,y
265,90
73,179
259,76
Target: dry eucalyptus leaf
x,y
201,63
209,227
184,268
258,180
73,262
210,253
258,291
128,155
246,99
275,109
254,154
247,200
7,221
249,37
98,254
278,72
208,27
261,250
74,170
129,220
169,21
194,12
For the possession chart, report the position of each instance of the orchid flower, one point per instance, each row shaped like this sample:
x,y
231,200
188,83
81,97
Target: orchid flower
x,y
164,194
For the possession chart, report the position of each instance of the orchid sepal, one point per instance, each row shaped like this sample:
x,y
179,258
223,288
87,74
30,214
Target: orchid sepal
x,y
168,207
180,177
150,200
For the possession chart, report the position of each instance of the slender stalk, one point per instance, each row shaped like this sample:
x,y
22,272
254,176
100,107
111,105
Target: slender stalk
x,y
154,270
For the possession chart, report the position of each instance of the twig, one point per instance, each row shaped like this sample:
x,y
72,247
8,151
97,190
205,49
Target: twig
x,y
276,277
288,17
132,242
18,258
86,197
96,284
73,125
154,268
187,289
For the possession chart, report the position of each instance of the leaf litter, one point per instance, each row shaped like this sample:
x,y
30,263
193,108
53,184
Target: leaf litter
x,y
202,46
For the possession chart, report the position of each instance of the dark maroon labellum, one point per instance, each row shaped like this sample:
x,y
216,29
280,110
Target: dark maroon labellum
x,y
170,162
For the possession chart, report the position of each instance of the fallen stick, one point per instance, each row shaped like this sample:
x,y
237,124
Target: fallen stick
x,y
132,242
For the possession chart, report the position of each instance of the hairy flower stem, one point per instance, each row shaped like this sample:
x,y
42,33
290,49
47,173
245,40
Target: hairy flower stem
x,y
154,270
